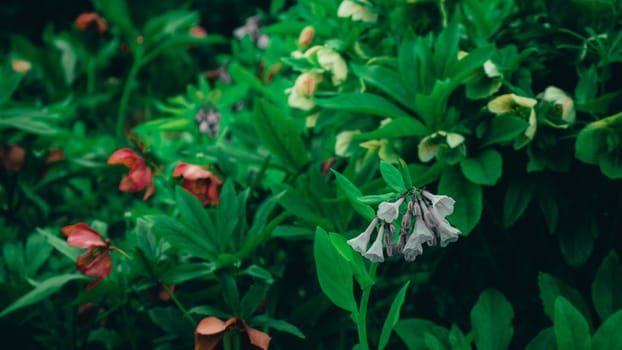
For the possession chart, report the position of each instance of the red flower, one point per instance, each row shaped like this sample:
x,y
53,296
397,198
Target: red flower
x,y
211,330
197,32
12,157
97,261
139,176
202,183
85,20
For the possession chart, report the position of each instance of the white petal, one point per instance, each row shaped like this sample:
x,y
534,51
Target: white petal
x,y
454,140
375,251
360,242
491,69
389,211
447,233
427,150
443,205
414,246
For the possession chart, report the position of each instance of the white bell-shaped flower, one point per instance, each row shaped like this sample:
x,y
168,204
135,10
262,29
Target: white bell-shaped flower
x,y
360,242
389,211
414,246
375,253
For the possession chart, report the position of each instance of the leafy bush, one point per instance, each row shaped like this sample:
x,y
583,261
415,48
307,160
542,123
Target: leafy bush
x,y
328,173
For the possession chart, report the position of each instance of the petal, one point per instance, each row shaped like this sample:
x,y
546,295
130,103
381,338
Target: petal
x,y
447,233
374,253
96,262
414,246
454,140
257,338
524,101
501,104
127,185
360,242
389,211
191,172
82,236
491,69
125,156
209,333
427,149
443,205
141,177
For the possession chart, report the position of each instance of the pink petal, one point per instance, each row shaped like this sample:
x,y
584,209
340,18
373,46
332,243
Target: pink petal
x,y
82,236
125,156
191,172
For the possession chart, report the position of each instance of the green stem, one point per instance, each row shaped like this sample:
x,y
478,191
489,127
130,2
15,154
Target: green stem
x,y
125,95
179,305
362,320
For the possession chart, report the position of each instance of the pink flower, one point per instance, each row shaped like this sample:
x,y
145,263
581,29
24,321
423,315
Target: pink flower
x,y
86,19
96,261
139,176
202,183
211,330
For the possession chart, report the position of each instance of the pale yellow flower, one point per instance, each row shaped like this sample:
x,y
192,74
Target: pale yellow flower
x,y
357,11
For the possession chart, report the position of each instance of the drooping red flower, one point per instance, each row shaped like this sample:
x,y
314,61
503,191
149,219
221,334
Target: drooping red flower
x,y
210,331
139,177
12,157
86,19
96,261
198,32
202,183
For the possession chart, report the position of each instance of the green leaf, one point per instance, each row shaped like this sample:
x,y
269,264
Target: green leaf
x,y
502,129
41,292
377,198
545,340
353,193
183,237
386,80
572,331
609,335
392,317
194,215
412,331
590,144
333,272
457,339
227,215
244,76
252,299
483,169
577,235
552,287
37,253
491,319
60,244
516,200
398,127
392,176
279,325
607,286
355,259
9,81
279,135
364,103
468,197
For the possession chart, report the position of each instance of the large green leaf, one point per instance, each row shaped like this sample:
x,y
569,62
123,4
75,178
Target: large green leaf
x,y
545,340
517,198
42,291
386,80
413,332
609,335
392,317
468,197
503,129
572,331
607,286
279,135
483,169
364,103
491,319
398,127
552,287
333,272
195,216
392,177
353,194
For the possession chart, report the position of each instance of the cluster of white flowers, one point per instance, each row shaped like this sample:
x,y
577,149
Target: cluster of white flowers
x,y
431,226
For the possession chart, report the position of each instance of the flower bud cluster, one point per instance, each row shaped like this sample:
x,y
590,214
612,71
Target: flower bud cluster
x,y
428,212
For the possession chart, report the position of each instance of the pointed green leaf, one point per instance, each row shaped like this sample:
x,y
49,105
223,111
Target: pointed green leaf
x,y
392,176
353,194
392,317
333,272
491,319
545,340
468,197
503,129
552,287
572,331
364,103
607,286
609,335
517,198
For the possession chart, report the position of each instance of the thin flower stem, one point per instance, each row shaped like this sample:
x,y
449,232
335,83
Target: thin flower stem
x,y
179,305
362,321
125,96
